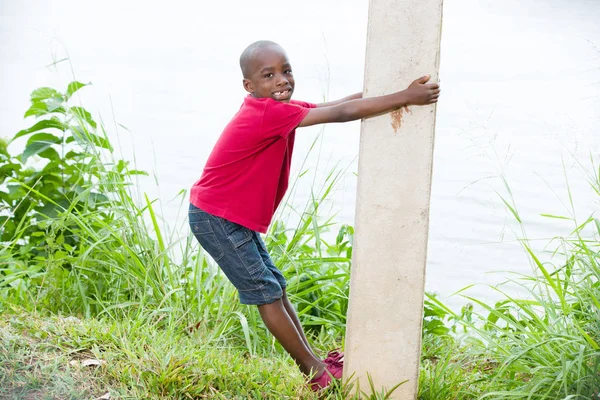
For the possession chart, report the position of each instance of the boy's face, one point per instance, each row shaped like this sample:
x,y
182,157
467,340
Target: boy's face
x,y
270,74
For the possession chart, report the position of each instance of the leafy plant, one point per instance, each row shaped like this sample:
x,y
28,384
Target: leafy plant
x,y
55,172
59,180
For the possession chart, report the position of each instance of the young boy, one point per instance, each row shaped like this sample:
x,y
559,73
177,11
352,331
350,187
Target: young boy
x,y
246,177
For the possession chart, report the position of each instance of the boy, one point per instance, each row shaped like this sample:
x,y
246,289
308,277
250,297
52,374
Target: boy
x,y
246,177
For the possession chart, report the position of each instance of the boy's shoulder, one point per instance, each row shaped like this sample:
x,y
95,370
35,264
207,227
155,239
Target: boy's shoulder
x,y
261,106
269,102
266,116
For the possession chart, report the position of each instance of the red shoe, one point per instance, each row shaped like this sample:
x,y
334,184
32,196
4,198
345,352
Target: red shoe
x,y
333,370
334,356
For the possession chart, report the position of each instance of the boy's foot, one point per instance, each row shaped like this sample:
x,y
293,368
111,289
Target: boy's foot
x,y
333,370
334,356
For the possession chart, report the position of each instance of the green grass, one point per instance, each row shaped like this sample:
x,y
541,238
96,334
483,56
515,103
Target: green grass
x,y
142,360
43,356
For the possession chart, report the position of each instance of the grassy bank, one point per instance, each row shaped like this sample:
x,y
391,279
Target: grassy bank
x,y
45,358
86,273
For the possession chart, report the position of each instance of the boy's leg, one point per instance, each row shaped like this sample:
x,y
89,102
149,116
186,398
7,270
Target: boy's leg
x,y
294,317
279,322
262,248
240,258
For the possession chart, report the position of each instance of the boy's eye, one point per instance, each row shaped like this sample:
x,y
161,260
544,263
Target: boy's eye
x,y
287,71
269,75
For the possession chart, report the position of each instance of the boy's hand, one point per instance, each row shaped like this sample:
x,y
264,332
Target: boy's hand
x,y
421,93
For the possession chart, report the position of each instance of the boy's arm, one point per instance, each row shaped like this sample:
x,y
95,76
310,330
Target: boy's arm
x,y
418,93
340,101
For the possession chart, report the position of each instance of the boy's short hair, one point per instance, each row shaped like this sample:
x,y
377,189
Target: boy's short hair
x,y
247,54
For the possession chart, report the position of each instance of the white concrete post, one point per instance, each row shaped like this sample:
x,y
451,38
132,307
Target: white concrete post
x,y
392,208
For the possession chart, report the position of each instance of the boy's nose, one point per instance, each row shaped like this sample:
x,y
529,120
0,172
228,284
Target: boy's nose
x,y
282,80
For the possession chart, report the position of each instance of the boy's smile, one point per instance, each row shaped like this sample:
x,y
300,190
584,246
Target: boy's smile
x,y
269,74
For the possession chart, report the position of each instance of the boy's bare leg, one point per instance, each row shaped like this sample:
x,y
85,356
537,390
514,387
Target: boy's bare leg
x,y
294,317
280,324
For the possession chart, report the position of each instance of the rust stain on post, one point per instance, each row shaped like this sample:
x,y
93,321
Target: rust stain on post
x,y
396,116
396,119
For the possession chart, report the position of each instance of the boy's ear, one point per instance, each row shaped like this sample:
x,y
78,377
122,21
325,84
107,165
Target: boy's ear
x,y
248,86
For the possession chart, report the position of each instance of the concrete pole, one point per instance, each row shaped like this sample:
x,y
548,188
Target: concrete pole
x,y
392,210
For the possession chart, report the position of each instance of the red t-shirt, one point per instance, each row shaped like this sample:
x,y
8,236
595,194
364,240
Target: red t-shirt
x,y
247,173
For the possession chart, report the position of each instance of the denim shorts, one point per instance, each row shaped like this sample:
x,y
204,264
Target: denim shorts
x,y
242,256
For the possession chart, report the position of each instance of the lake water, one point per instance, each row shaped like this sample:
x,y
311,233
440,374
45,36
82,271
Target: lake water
x,y
521,100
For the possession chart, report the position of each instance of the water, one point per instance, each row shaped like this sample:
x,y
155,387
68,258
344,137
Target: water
x,y
521,99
